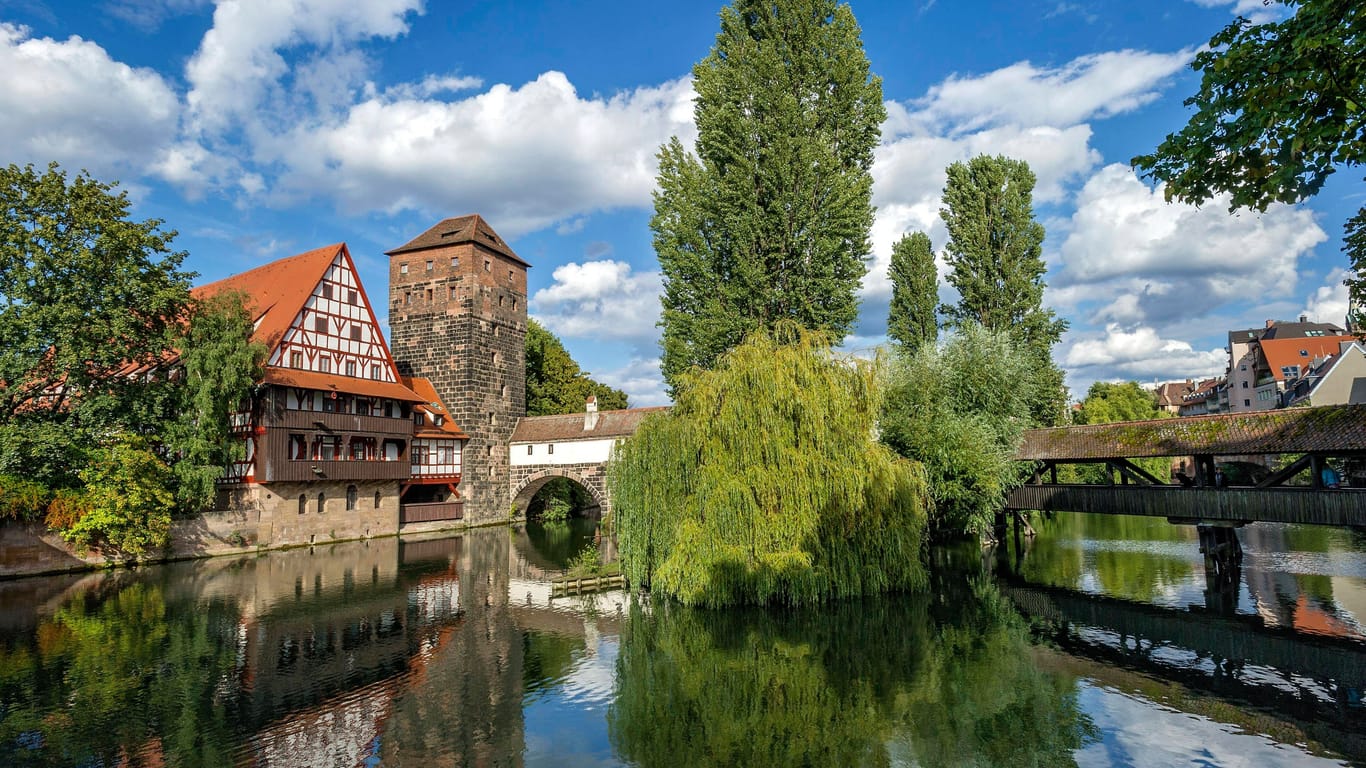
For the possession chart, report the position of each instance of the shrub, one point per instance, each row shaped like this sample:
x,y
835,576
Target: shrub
x,y
129,498
67,507
22,499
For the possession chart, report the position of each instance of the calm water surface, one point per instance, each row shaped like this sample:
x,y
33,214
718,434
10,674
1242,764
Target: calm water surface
x,y
1100,642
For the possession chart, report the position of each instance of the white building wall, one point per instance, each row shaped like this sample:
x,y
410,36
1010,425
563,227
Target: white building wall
x,y
565,452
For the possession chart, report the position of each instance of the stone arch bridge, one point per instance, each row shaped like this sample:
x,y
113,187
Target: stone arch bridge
x,y
574,446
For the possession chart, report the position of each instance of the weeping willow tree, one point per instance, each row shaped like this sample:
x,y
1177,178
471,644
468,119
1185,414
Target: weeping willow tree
x,y
765,483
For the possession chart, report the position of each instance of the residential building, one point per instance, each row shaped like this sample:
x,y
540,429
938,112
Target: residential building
x,y
1262,360
1336,380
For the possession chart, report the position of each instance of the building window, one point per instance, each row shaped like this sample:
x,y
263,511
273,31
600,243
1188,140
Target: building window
x,y
325,364
374,371
419,418
303,503
320,324
1245,385
327,290
350,297
298,448
550,449
504,391
351,368
509,275
403,269
529,449
430,264
320,502
501,300
377,498
455,261
491,421
355,331
1247,403
488,265
327,448
362,449
429,294
352,494
450,292
296,359
407,297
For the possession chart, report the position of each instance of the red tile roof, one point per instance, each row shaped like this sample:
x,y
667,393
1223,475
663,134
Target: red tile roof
x,y
1282,353
461,229
290,377
278,290
550,429
432,406
1334,428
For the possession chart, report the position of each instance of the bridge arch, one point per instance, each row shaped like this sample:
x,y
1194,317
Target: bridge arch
x,y
525,485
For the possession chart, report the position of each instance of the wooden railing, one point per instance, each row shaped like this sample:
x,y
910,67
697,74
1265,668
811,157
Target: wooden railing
x,y
430,512
282,470
1239,504
311,421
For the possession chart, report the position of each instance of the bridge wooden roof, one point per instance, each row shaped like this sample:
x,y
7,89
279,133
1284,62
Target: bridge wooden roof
x,y
1333,429
553,429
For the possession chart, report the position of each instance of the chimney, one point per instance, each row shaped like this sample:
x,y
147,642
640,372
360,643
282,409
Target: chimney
x,y
590,414
1304,318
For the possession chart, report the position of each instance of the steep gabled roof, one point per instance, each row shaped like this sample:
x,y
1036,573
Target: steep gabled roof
x,y
278,290
1300,351
432,406
461,229
331,382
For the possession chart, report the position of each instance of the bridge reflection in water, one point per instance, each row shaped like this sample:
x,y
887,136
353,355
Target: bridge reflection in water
x,y
1256,641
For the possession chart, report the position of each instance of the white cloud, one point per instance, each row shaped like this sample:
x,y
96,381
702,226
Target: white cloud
x,y
527,157
600,300
1094,86
1139,352
1329,303
1153,261
70,102
239,63
640,379
1256,11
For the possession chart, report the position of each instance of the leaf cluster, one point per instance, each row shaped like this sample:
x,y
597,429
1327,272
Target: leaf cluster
x,y
554,382
764,484
913,320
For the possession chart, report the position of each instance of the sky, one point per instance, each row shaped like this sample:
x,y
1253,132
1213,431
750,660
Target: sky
x,y
258,129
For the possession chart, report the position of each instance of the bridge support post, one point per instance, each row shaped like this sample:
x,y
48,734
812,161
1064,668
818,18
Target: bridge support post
x,y
1223,553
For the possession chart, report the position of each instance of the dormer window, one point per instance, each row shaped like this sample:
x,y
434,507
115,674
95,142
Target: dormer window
x,y
419,418
438,420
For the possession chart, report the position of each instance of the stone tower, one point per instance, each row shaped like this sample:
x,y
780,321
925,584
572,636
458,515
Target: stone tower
x,y
457,315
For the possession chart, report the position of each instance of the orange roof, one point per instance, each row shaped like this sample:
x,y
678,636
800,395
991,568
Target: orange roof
x,y
278,290
289,377
431,404
1282,353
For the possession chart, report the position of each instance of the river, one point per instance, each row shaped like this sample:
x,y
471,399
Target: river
x,y
1099,642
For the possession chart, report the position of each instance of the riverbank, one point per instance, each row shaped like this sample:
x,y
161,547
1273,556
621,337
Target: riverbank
x,y
30,549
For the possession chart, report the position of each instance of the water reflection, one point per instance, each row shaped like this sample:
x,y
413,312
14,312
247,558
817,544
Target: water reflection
x,y
449,652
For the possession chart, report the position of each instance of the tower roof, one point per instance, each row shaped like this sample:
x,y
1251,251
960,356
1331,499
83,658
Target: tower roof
x,y
461,229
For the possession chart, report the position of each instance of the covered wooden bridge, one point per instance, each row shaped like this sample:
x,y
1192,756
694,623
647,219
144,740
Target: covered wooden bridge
x,y
1314,435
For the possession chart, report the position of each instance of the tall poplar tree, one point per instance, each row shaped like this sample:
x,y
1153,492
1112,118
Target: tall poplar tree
x,y
912,321
769,220
995,256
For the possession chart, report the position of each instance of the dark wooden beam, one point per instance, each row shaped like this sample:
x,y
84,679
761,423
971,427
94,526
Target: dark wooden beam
x,y
1279,478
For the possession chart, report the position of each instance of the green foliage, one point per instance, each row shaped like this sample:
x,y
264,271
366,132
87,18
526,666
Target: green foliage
x,y
769,220
83,292
556,510
128,492
1107,403
763,484
588,562
995,256
220,366
860,683
44,451
912,321
22,499
1281,106
959,410
554,382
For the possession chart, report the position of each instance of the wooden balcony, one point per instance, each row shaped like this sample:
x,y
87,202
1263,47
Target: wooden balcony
x,y
286,471
430,512
321,421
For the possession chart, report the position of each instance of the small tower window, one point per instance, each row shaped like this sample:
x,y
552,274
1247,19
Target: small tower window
x,y
403,269
430,265
429,294
407,297
488,265
501,300
455,261
450,292
509,275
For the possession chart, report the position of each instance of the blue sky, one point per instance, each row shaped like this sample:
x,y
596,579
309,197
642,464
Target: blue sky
x,y
263,128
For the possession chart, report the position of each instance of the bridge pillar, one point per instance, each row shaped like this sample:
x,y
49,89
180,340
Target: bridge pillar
x,y
1223,554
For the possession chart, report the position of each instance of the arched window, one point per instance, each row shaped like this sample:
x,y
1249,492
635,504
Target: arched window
x,y
320,502
303,503
377,497
351,496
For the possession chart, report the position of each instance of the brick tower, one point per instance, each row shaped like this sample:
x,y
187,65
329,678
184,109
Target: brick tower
x,y
457,315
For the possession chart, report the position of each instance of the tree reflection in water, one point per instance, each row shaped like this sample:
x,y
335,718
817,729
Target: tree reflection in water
x,y
942,680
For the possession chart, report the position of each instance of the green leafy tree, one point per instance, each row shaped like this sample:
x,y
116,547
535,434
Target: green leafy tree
x,y
554,382
995,257
912,321
763,484
959,410
84,291
128,490
769,221
219,366
1281,106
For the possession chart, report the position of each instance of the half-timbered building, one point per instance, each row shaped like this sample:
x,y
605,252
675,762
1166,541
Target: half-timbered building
x,y
330,433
